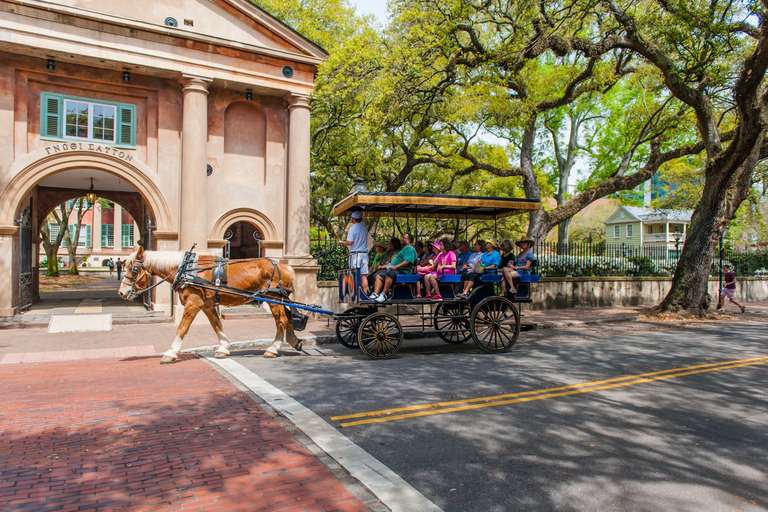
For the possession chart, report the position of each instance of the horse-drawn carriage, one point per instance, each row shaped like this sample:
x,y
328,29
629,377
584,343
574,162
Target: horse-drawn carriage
x,y
491,320
205,281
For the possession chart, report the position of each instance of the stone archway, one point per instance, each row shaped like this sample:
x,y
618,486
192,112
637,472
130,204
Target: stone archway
x,y
38,165
28,171
244,241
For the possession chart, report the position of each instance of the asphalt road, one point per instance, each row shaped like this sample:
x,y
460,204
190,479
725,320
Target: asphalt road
x,y
684,439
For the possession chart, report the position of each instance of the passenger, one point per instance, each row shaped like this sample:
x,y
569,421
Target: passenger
x,y
474,258
445,263
394,247
506,256
423,269
403,263
421,254
381,250
521,266
462,256
357,243
489,262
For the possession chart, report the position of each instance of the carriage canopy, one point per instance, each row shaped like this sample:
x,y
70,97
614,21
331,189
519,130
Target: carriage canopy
x,y
377,204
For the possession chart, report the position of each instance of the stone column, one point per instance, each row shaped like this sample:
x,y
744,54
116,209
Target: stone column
x,y
193,223
297,177
117,228
8,270
96,229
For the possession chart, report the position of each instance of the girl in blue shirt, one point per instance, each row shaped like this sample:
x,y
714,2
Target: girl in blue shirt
x,y
489,262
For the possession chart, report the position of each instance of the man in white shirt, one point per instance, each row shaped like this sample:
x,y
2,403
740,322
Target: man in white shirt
x,y
357,241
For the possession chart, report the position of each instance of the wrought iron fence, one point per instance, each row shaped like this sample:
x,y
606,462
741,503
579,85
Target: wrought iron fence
x,y
579,259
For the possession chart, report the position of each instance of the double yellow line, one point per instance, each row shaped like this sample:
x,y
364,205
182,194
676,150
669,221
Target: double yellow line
x,y
414,411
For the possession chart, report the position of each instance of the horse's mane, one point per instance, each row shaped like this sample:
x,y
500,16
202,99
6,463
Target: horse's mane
x,y
165,261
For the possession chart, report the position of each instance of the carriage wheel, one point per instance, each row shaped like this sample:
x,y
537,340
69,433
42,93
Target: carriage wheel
x,y
380,335
495,324
347,325
451,322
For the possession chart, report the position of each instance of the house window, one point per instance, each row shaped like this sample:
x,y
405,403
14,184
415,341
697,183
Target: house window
x,y
629,230
616,231
69,118
127,235
53,230
107,235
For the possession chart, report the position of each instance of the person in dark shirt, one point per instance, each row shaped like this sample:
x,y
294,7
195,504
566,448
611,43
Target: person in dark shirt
x,y
729,289
119,267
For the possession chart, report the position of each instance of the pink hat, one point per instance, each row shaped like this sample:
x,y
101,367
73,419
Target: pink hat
x,y
436,245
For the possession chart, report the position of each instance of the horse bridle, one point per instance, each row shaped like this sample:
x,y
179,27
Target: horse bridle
x,y
136,267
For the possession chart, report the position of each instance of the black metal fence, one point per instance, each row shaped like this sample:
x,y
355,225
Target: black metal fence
x,y
579,259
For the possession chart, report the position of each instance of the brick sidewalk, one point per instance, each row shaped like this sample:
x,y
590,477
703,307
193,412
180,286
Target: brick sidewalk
x,y
129,434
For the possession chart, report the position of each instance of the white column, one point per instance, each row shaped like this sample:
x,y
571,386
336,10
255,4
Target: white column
x,y
96,229
117,228
297,177
193,223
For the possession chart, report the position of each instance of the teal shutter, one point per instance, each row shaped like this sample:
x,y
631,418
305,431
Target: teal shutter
x,y
104,234
51,115
126,125
88,236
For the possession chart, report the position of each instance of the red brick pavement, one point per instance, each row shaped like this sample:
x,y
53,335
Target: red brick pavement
x,y
130,434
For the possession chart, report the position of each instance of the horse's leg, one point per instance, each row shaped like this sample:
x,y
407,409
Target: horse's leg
x,y
192,307
218,328
277,310
293,340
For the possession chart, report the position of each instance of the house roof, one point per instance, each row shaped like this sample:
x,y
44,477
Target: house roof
x,y
650,215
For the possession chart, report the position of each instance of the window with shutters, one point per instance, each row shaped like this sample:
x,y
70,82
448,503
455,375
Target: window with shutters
x,y
107,235
69,118
127,235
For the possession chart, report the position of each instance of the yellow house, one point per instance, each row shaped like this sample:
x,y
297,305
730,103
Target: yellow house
x,y
648,228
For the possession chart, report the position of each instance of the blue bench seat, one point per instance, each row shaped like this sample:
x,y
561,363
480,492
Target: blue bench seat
x,y
407,278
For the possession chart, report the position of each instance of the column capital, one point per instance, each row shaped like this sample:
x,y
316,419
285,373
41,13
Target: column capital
x,y
297,100
195,83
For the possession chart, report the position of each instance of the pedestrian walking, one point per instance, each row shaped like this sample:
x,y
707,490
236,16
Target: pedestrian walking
x,y
119,266
729,289
110,266
357,242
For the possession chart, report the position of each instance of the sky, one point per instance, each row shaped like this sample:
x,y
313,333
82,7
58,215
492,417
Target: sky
x,y
376,7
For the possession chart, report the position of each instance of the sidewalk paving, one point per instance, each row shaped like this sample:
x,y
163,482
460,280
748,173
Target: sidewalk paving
x,y
130,434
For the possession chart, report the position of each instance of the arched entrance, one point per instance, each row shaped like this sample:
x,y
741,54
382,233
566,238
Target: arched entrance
x,y
45,178
244,240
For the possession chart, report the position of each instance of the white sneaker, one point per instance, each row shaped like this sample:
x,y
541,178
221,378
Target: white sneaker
x,y
380,298
373,296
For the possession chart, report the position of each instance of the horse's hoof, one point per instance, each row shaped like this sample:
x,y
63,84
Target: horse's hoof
x,y
167,360
220,355
270,354
298,347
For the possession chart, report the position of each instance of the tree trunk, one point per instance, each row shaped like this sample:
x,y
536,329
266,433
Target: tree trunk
x,y
563,230
72,252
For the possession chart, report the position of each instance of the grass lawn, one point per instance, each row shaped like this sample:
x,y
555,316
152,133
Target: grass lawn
x,y
52,284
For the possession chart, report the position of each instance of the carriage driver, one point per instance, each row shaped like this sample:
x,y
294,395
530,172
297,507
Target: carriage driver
x,y
403,263
357,241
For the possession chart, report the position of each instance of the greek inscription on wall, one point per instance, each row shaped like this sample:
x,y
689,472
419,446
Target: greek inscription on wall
x,y
89,146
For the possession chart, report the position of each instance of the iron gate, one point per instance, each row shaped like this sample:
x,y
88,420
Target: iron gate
x,y
25,259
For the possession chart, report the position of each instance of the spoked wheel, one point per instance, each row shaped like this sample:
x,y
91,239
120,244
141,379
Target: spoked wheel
x,y
451,322
380,335
495,324
347,325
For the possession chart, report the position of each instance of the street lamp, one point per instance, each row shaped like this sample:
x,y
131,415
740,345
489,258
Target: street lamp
x,y
91,196
589,239
677,235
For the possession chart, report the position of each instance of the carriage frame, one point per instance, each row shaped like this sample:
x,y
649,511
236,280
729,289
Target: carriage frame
x,y
490,320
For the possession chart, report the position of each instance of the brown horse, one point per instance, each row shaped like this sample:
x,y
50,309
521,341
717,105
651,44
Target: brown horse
x,y
250,275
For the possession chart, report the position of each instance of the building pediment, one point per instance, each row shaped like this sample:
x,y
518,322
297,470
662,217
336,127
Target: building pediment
x,y
237,23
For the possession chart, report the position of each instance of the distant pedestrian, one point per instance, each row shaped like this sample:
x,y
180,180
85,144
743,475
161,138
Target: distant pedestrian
x,y
119,266
729,289
110,266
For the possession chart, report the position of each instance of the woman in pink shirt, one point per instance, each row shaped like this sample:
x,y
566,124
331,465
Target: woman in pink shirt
x,y
445,263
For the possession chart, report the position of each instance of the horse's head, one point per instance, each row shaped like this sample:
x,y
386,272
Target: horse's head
x,y
136,277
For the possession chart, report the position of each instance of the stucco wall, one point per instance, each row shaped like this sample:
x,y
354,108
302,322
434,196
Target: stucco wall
x,y
574,292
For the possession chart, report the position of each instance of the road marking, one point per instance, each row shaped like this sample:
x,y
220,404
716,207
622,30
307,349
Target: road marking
x,y
392,490
528,396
